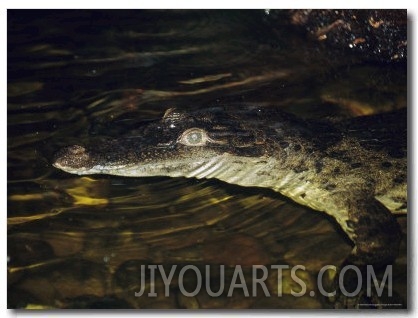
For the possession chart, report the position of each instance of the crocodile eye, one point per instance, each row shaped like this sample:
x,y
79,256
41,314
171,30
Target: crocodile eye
x,y
193,137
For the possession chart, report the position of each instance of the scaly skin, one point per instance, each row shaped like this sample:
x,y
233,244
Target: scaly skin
x,y
353,170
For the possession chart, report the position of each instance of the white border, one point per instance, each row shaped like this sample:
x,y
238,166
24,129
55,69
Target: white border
x,y
214,4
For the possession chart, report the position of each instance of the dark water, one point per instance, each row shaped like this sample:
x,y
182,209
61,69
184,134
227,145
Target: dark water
x,y
80,241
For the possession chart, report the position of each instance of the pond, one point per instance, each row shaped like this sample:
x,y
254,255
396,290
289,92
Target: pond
x,y
81,241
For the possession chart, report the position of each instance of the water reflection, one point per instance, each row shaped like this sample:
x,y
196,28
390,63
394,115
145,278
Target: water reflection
x,y
76,242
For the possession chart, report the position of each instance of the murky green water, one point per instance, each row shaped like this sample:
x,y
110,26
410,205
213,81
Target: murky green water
x,y
80,241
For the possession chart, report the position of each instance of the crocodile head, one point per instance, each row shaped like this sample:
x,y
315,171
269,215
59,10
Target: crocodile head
x,y
190,144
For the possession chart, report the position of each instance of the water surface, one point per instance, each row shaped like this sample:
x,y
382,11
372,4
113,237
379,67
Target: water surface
x,y
79,242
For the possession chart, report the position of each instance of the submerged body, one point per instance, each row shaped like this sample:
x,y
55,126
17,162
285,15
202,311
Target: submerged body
x,y
353,170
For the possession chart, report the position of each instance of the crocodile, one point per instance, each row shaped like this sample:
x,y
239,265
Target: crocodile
x,y
354,170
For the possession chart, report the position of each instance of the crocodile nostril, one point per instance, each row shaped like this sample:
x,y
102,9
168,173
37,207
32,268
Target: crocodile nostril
x,y
76,149
74,156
